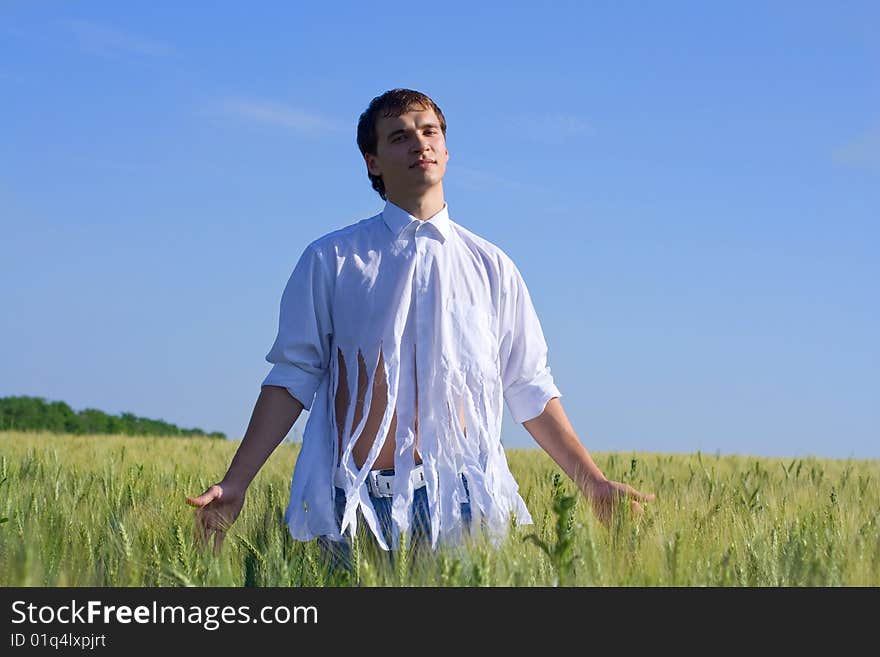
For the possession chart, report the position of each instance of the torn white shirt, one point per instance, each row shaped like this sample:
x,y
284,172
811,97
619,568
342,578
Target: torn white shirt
x,y
443,305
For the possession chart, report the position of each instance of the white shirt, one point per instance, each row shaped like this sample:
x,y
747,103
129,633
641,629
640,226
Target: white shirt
x,y
456,303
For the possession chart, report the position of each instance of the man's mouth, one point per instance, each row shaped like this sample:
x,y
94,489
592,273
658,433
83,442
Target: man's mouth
x,y
423,163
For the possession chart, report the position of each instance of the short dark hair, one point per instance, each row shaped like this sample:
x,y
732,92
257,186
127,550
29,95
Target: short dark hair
x,y
392,103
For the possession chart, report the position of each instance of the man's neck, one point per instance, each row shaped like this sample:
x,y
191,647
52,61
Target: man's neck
x,y
421,206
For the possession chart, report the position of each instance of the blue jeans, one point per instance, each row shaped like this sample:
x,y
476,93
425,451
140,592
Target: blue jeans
x,y
338,553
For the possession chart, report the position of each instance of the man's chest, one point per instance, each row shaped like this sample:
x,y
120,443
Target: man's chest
x,y
440,295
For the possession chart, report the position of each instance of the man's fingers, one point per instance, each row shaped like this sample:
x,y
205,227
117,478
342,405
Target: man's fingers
x,y
201,531
604,509
219,535
606,502
208,496
636,495
200,500
208,525
210,522
213,493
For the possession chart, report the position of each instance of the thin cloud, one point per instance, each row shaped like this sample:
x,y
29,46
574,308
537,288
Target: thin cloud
x,y
863,151
478,180
283,116
105,40
551,128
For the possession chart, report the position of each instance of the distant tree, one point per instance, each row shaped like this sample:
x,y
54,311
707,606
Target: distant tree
x,y
22,412
114,424
36,414
128,422
92,420
60,417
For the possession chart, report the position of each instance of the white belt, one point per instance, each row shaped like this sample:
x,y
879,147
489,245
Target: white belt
x,y
382,485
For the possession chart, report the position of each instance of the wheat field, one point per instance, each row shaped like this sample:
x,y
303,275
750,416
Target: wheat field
x,y
110,511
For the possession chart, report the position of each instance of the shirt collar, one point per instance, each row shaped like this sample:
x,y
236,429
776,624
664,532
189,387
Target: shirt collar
x,y
396,218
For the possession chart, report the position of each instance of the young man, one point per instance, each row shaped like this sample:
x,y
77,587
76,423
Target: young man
x,y
403,334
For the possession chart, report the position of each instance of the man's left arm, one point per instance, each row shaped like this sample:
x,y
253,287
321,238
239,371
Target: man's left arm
x,y
533,399
554,433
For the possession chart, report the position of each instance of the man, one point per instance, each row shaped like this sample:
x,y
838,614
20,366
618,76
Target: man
x,y
402,334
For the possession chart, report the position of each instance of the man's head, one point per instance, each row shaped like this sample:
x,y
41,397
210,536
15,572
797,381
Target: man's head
x,y
398,129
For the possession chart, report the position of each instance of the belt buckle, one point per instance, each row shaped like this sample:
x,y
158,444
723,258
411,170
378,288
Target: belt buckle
x,y
376,481
374,484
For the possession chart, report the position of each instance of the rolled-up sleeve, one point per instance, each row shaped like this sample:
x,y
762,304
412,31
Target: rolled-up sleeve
x,y
525,374
301,352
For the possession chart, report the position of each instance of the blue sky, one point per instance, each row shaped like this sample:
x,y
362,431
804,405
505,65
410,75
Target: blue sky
x,y
690,191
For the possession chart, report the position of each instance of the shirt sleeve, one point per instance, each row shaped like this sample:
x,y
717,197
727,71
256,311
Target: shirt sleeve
x,y
525,374
301,352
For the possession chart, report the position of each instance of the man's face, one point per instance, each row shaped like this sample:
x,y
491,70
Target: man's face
x,y
402,142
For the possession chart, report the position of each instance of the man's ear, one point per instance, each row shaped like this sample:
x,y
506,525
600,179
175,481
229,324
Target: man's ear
x,y
372,166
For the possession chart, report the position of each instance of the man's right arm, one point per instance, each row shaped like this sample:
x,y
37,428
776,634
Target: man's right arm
x,y
275,412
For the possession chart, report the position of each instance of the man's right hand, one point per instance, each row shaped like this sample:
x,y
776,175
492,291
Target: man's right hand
x,y
217,509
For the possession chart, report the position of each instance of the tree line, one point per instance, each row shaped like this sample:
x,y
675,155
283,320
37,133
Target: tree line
x,y
37,414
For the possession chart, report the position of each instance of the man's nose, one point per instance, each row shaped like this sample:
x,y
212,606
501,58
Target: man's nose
x,y
419,144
